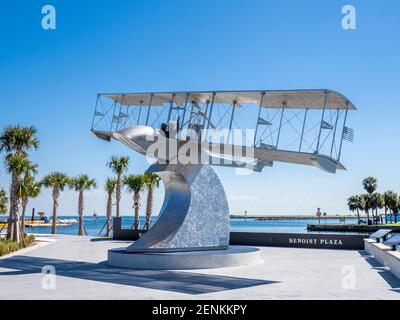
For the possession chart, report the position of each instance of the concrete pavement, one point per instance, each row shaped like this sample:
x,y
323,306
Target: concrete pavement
x,y
286,273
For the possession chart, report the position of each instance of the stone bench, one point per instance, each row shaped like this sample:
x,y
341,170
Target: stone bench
x,y
383,254
368,245
393,262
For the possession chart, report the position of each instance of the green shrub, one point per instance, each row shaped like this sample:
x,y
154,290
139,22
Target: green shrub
x,y
13,246
27,240
3,249
8,246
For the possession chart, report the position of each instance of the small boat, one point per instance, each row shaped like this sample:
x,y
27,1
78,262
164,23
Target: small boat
x,y
67,221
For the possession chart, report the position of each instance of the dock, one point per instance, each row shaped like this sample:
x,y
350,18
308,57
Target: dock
x,y
46,225
29,224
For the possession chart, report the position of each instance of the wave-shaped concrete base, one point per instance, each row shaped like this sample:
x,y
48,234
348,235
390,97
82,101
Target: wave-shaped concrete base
x,y
232,257
194,215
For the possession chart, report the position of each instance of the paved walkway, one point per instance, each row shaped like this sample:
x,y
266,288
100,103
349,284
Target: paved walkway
x,y
285,274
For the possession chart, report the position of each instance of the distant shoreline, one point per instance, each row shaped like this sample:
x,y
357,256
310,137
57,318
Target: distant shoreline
x,y
256,217
295,217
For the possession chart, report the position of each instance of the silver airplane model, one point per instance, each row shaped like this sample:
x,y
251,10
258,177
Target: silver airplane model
x,y
305,127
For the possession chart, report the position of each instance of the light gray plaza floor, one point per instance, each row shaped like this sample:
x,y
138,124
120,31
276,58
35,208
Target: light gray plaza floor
x,y
286,273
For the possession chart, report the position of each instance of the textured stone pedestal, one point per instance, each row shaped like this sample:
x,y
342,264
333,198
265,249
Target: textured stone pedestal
x,y
232,257
194,215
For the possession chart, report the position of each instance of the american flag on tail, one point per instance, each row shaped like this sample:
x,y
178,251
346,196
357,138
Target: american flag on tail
x,y
348,134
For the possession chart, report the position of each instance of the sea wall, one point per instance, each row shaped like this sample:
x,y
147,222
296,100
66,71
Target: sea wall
x,y
299,240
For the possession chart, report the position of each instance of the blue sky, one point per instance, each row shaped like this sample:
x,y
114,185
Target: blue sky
x,y
50,79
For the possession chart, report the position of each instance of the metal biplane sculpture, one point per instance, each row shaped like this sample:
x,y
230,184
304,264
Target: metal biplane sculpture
x,y
240,129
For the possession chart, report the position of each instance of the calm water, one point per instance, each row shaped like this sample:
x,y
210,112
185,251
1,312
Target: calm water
x,y
93,226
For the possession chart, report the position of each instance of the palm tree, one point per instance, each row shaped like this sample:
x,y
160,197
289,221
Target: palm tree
x,y
57,181
118,165
135,184
16,166
377,201
352,204
367,204
29,189
356,203
3,201
81,184
29,172
370,184
390,202
380,202
110,189
151,180
16,140
360,204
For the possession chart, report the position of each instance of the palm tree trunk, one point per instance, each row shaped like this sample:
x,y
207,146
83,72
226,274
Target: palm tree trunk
x,y
378,217
149,208
56,193
13,230
367,211
109,212
24,204
136,203
80,212
358,216
118,194
386,217
10,220
15,236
